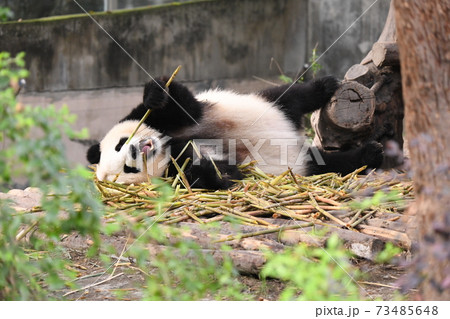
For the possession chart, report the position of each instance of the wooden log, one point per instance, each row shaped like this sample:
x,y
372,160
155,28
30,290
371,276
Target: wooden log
x,y
385,54
294,237
346,119
361,74
379,75
388,224
246,253
357,98
207,239
357,113
398,238
362,245
246,262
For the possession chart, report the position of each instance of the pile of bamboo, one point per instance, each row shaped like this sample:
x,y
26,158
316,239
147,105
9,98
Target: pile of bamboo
x,y
272,211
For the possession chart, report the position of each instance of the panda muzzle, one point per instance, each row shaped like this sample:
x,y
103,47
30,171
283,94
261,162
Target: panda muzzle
x,y
147,146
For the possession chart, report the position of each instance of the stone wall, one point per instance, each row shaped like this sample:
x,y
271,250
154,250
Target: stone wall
x,y
215,39
32,9
329,21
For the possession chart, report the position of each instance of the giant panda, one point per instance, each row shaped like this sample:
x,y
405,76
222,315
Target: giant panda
x,y
214,131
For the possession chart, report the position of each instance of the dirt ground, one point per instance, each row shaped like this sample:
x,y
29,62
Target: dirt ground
x,y
127,282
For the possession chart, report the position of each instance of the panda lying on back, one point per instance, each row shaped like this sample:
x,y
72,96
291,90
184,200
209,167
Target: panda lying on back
x,y
228,129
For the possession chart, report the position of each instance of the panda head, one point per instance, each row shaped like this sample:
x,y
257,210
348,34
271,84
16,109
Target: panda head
x,y
143,157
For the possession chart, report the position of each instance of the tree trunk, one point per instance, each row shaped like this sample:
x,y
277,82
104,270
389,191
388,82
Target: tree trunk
x,y
423,34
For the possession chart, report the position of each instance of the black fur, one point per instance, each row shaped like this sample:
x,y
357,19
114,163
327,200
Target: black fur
x,y
93,154
302,98
128,169
202,173
205,174
133,151
346,162
169,113
120,144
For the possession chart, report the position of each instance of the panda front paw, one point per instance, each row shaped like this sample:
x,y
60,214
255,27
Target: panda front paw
x,y
372,154
155,94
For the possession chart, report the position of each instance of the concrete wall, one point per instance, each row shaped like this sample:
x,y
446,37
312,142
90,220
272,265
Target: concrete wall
x,y
329,21
212,40
32,9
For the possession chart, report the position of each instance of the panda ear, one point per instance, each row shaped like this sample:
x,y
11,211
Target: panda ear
x,y
93,154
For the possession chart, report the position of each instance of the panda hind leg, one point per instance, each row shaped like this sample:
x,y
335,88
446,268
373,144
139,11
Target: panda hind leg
x,y
370,155
298,99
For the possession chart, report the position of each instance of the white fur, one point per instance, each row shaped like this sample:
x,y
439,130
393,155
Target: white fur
x,y
112,162
258,128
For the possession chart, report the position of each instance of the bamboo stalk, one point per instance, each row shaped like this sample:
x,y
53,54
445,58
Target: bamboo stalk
x,y
355,217
325,213
187,212
24,232
182,175
224,212
93,285
263,232
359,221
328,201
310,207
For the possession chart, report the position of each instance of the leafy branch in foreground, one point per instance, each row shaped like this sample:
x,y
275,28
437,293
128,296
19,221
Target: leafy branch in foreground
x,y
313,273
5,14
177,268
35,151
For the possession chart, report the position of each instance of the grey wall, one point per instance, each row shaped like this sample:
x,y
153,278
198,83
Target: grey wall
x,y
329,20
212,40
32,9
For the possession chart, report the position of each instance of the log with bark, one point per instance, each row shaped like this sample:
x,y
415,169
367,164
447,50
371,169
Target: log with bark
x,y
369,104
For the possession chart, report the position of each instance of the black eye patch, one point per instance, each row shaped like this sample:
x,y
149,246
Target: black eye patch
x,y
133,152
128,169
120,144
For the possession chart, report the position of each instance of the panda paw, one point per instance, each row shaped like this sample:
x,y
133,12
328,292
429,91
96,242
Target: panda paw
x,y
372,154
155,94
327,86
205,175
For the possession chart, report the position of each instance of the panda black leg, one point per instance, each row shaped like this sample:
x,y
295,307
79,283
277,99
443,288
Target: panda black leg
x,y
172,108
205,174
202,173
370,154
302,98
